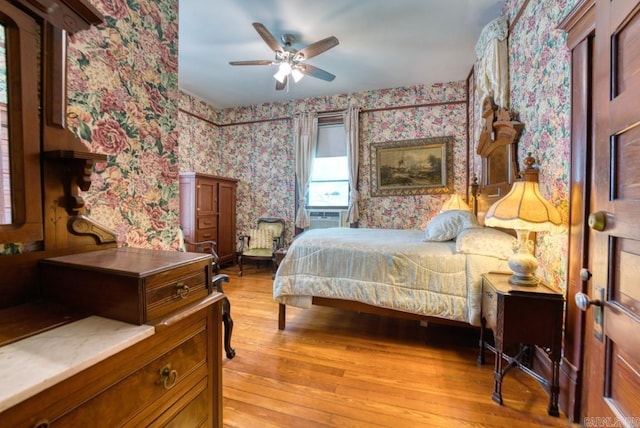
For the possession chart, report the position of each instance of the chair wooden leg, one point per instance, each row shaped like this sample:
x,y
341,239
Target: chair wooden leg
x,y
227,321
228,328
239,265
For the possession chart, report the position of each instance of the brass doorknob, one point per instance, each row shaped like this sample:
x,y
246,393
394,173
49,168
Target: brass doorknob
x,y
598,221
583,302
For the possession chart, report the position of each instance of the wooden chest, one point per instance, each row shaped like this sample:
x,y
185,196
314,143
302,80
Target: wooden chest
x,y
133,285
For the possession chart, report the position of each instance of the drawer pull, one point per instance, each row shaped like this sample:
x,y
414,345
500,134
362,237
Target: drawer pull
x,y
182,289
168,377
42,423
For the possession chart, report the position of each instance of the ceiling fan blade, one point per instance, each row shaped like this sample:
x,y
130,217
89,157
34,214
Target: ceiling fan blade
x,y
280,86
254,62
312,71
268,38
318,47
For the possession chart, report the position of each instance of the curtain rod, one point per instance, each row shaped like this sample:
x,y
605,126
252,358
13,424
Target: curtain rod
x,y
324,113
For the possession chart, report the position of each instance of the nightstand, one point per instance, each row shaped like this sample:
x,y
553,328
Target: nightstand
x,y
524,317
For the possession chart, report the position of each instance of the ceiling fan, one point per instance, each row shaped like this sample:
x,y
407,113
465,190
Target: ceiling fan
x,y
291,62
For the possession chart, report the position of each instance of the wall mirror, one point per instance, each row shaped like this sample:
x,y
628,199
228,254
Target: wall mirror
x,y
21,215
5,158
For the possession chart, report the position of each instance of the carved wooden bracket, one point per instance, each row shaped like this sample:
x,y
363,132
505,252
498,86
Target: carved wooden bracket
x,y
498,129
77,175
81,225
498,149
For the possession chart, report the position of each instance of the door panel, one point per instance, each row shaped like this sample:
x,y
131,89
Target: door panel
x,y
227,221
624,380
626,158
627,269
612,372
206,197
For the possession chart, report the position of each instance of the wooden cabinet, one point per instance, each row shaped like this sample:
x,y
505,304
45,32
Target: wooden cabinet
x,y
170,378
524,317
208,212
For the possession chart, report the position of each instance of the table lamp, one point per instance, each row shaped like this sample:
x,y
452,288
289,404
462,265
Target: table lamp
x,y
525,210
455,202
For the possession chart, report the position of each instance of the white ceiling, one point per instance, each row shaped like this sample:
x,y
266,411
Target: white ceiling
x,y
383,44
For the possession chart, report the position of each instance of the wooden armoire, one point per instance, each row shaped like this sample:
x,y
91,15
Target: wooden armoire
x,y
208,212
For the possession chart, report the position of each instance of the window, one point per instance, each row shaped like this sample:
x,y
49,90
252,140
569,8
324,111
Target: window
x,y
329,185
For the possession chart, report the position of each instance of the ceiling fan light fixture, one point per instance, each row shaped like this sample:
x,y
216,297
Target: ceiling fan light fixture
x,y
296,74
288,59
285,68
280,76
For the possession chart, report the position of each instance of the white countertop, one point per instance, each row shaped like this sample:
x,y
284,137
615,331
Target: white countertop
x,y
32,365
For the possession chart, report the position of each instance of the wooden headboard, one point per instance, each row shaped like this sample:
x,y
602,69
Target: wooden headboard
x,y
497,148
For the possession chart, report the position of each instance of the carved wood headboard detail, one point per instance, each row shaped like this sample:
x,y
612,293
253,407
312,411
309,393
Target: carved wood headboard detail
x,y
497,147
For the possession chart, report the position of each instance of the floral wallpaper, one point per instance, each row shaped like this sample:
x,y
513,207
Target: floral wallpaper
x,y
123,91
540,70
255,145
124,101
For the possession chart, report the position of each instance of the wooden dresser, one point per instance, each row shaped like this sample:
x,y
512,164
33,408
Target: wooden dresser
x,y
208,212
169,377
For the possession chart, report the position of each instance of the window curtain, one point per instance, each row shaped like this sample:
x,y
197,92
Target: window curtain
x,y
351,120
305,127
492,67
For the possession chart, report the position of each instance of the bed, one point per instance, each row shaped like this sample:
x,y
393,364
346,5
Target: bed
x,y
392,272
429,275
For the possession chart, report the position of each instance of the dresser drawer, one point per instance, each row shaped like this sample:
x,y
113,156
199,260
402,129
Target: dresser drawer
x,y
191,410
133,285
158,383
165,295
207,222
206,235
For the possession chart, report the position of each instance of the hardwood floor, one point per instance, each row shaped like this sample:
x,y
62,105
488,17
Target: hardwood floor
x,y
334,368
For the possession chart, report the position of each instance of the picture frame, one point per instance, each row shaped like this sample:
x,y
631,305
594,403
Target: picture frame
x,y
412,167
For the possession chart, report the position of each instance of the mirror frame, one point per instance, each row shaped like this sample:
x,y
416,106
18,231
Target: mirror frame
x,y
22,32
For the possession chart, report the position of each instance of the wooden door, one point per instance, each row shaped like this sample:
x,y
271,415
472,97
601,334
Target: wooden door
x,y
612,376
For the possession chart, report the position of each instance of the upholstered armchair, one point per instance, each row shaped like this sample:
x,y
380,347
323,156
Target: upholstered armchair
x,y
216,284
260,244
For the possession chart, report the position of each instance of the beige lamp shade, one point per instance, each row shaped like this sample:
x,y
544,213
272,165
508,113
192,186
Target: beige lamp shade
x,y
455,202
524,208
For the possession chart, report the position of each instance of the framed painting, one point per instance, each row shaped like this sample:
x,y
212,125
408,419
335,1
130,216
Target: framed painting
x,y
412,167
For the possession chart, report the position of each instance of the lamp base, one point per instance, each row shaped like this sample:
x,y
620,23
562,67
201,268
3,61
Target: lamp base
x,y
523,263
524,280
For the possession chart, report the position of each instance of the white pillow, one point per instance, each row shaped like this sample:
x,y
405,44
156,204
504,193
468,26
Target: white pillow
x,y
485,241
261,238
447,225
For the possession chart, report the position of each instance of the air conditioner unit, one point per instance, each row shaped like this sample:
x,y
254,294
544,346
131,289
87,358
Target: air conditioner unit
x,y
322,219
